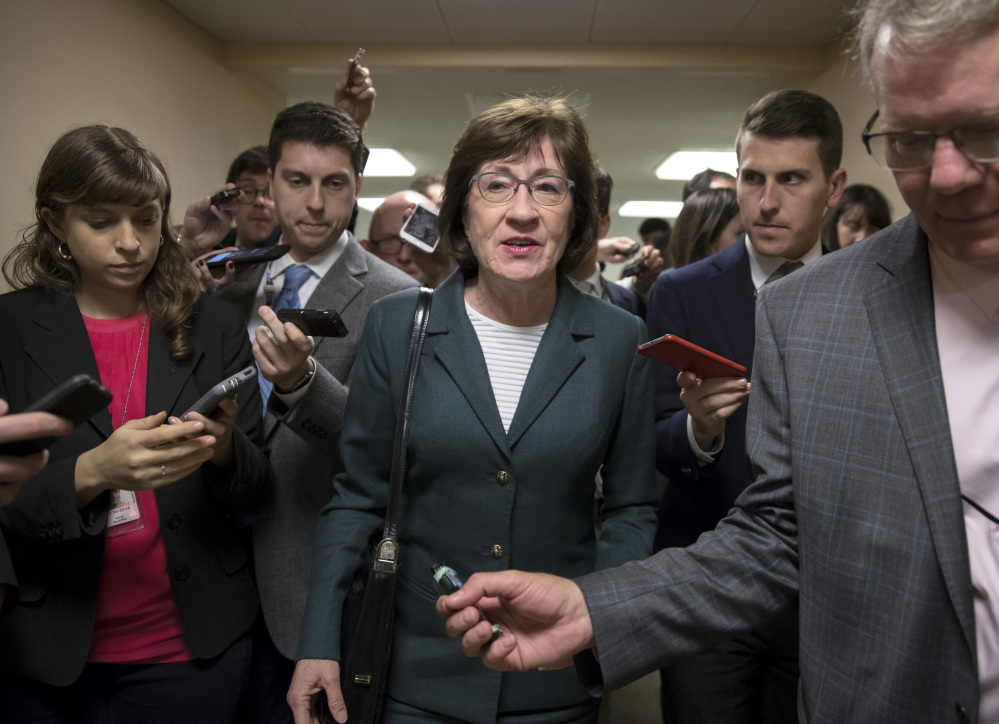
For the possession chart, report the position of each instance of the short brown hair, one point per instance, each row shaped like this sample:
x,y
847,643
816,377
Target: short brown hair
x,y
318,124
796,114
511,130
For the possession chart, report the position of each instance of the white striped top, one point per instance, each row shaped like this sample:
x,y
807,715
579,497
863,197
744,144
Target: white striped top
x,y
509,352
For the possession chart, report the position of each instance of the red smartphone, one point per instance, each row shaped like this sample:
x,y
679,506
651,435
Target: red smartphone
x,y
687,357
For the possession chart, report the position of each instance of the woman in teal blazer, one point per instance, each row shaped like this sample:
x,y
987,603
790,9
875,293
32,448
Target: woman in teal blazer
x,y
492,481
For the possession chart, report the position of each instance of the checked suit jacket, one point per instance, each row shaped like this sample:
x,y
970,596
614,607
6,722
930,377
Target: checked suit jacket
x,y
855,514
305,440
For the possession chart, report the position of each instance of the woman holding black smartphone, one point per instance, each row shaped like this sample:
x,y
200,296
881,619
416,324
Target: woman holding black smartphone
x,y
137,610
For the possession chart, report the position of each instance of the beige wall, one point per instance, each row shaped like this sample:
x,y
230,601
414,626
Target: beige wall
x,y
843,86
130,63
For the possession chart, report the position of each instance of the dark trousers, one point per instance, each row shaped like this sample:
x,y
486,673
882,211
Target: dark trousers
x,y
752,679
266,699
202,691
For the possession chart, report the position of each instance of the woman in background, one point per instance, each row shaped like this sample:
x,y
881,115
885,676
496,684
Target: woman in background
x,y
136,611
708,222
861,211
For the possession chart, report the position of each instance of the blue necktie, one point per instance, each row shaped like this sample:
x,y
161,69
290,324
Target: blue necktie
x,y
294,277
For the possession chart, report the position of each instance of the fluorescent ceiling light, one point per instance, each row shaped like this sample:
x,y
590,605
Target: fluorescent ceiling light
x,y
684,165
369,203
388,162
651,209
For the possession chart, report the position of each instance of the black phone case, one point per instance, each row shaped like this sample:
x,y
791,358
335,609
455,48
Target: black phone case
x,y
315,322
77,399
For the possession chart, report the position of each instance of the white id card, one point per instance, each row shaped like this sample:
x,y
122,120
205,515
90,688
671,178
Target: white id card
x,y
124,515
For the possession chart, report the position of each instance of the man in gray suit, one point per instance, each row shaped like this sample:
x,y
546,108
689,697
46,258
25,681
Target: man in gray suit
x,y
873,434
315,155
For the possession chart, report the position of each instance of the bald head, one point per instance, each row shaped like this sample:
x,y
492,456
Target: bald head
x,y
383,235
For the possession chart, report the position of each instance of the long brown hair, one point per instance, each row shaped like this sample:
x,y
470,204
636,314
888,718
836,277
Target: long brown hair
x,y
96,165
703,218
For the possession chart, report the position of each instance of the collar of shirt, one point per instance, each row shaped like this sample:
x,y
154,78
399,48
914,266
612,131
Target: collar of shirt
x,y
592,285
319,263
762,267
980,285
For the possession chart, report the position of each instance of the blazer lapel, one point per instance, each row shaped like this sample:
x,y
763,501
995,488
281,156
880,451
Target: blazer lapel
x,y
454,343
734,299
557,358
901,313
60,328
341,283
166,378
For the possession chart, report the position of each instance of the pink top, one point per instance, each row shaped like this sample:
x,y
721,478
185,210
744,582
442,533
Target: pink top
x,y
966,301
137,620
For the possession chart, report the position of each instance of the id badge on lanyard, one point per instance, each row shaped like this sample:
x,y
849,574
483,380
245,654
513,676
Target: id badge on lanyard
x,y
124,515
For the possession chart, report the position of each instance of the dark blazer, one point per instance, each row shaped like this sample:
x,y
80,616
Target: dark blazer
x,y
305,441
479,498
57,549
855,508
625,298
710,303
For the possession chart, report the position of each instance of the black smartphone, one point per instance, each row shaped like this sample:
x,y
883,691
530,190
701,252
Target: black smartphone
x,y
224,196
226,388
247,256
77,399
355,61
315,322
632,267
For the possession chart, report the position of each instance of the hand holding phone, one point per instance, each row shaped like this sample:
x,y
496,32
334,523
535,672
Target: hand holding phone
x,y
226,388
77,399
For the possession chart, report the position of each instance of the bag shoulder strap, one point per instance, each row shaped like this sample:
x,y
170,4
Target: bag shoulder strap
x,y
393,512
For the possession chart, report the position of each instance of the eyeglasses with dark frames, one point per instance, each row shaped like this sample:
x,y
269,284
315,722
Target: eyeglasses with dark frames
x,y
248,193
391,244
498,188
913,150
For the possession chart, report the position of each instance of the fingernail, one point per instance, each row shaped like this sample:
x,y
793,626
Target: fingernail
x,y
201,262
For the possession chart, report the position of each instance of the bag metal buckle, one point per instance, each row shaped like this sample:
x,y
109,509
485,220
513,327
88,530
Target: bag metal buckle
x,y
387,558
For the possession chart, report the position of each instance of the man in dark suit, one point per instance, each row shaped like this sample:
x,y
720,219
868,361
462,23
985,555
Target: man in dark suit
x,y
588,277
789,146
315,153
872,436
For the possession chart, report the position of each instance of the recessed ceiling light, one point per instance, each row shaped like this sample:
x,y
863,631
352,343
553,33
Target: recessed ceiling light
x,y
651,209
370,203
388,162
684,165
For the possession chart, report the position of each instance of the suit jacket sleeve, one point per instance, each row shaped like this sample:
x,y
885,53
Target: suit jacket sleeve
x,y
627,514
668,315
733,579
357,509
8,581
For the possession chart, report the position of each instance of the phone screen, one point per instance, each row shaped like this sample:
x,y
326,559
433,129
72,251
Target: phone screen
x,y
420,229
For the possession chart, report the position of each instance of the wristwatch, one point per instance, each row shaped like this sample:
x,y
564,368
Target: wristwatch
x,y
302,381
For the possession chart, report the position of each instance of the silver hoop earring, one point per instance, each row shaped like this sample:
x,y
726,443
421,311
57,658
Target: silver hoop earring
x,y
64,251
161,239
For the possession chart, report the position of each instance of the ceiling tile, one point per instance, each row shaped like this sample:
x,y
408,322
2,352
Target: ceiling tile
x,y
368,21
512,21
